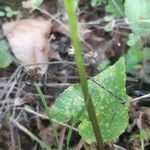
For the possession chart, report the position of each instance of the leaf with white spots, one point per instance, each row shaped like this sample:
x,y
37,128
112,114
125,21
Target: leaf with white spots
x,y
108,93
68,104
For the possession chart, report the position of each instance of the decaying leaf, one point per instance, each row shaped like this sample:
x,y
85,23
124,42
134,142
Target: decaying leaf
x,y
28,40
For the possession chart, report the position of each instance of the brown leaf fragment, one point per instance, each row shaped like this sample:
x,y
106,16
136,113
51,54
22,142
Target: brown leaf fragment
x,y
29,42
47,134
145,118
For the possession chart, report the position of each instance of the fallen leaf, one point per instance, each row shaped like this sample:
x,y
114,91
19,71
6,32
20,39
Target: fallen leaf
x,y
28,40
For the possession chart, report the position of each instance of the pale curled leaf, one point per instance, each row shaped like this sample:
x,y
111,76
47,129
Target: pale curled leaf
x,y
111,113
28,40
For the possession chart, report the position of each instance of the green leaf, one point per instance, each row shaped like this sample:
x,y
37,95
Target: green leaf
x,y
147,53
8,9
5,58
10,12
133,57
137,13
103,64
36,3
9,15
109,18
108,27
16,12
144,134
96,2
2,14
115,7
133,39
66,106
111,113
146,65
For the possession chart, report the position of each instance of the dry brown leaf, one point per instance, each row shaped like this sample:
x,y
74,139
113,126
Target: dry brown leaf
x,y
28,40
145,118
47,134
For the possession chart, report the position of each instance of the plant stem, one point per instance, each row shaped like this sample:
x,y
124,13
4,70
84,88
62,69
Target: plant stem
x,y
72,20
25,130
43,100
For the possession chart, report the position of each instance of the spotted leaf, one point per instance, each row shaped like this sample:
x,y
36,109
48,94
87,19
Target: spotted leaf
x,y
108,93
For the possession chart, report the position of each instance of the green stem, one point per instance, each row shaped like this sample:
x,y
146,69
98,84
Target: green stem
x,y
43,100
72,20
29,133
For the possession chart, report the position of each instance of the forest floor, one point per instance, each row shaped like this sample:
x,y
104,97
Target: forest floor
x,y
18,94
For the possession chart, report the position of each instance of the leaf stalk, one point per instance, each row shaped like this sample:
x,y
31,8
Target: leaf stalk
x,y
72,20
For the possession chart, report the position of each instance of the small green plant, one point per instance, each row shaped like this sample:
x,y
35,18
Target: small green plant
x,y
114,7
138,18
136,15
9,12
143,135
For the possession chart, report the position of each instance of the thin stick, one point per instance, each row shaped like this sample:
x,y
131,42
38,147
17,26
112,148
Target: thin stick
x,y
28,109
139,98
